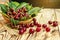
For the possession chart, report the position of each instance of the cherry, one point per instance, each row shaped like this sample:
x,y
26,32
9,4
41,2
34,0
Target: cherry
x,y
31,25
14,13
21,31
34,19
18,14
55,23
35,23
22,25
27,25
44,25
16,17
31,31
24,28
47,29
19,10
49,22
38,29
38,25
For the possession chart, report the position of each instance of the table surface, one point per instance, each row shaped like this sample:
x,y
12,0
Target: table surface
x,y
43,17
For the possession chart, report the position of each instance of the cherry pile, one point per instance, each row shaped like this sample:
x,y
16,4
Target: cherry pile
x,y
18,14
23,28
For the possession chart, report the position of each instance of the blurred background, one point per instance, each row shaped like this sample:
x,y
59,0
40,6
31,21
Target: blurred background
x,y
43,3
40,3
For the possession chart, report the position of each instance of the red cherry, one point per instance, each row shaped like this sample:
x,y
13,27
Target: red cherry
x,y
35,23
19,10
49,22
14,13
38,29
31,25
55,23
47,29
38,25
18,14
16,17
24,28
34,19
31,31
44,25
22,25
21,31
27,26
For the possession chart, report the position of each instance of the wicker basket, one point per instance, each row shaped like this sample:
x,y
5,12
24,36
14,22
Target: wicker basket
x,y
24,22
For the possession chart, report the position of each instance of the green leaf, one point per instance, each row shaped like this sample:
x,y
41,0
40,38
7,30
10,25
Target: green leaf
x,y
29,7
16,3
21,5
14,21
34,10
3,8
12,5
